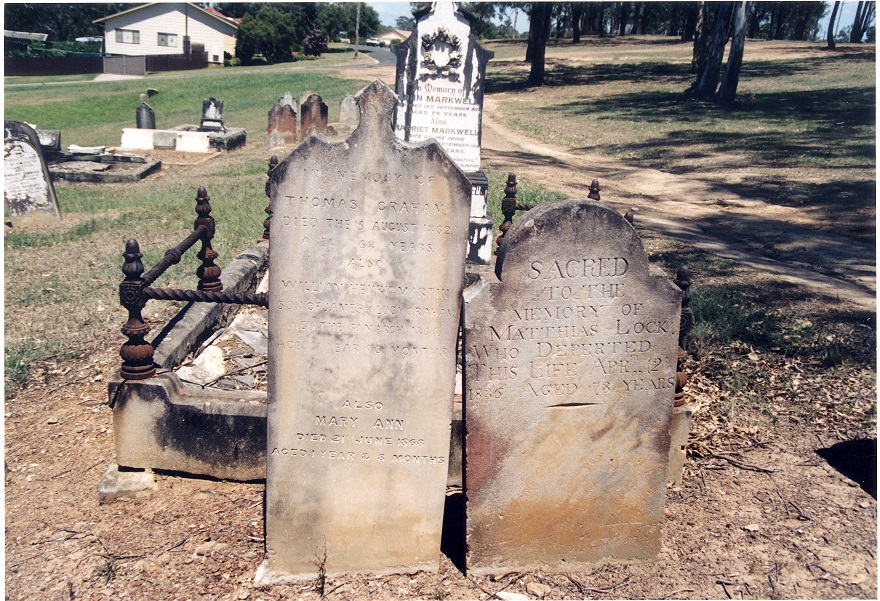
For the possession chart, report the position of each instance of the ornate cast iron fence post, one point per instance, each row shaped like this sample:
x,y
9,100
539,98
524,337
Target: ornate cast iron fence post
x,y
208,273
594,190
136,352
509,207
135,291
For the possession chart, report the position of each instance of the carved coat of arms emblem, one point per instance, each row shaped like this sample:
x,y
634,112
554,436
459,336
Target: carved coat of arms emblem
x,y
441,54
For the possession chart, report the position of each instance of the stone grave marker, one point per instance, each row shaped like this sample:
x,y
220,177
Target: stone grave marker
x,y
145,118
28,193
313,116
282,122
348,110
441,75
50,140
212,115
368,243
569,384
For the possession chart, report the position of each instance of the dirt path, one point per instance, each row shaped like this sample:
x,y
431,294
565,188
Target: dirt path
x,y
784,241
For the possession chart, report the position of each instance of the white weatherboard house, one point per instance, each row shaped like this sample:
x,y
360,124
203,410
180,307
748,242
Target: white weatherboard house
x,y
160,28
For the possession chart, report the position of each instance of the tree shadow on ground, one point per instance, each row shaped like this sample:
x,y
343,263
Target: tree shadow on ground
x,y
765,315
564,72
855,459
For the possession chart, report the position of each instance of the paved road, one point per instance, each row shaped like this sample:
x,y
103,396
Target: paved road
x,y
383,56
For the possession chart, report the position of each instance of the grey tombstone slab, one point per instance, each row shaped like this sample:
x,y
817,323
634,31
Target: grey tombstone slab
x,y
367,249
145,117
348,110
212,115
50,140
28,193
569,388
441,75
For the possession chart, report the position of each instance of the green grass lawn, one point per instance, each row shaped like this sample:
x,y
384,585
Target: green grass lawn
x,y
94,113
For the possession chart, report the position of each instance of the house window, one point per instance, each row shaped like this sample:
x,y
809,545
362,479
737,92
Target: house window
x,y
168,39
128,36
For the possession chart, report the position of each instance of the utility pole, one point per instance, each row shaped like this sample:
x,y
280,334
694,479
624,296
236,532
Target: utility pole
x,y
357,29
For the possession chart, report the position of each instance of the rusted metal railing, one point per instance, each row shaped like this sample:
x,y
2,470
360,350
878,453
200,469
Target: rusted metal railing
x,y
509,207
683,280
135,290
273,162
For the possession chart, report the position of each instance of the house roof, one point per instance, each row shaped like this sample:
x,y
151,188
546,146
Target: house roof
x,y
396,32
213,12
25,35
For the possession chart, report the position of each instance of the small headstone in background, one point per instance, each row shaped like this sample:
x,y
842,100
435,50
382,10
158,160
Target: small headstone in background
x,y
313,117
27,188
282,122
50,140
368,244
570,383
144,116
302,100
348,110
212,115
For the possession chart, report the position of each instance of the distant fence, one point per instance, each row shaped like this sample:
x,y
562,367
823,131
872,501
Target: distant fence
x,y
125,65
177,62
118,65
67,65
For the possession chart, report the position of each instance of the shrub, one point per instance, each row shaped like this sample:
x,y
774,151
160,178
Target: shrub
x,y
315,43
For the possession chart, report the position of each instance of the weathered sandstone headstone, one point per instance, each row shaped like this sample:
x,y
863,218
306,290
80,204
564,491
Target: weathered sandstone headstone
x,y
441,74
313,116
368,243
570,381
282,122
348,110
27,188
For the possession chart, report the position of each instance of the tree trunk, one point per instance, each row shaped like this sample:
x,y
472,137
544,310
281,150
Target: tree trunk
x,y
577,11
624,15
690,24
560,21
864,13
601,20
701,40
643,21
533,28
855,34
541,17
727,93
830,37
709,81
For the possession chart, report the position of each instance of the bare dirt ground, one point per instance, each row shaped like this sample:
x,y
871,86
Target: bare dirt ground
x,y
760,514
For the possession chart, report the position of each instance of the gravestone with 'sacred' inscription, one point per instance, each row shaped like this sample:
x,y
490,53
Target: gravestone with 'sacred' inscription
x,y
569,389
